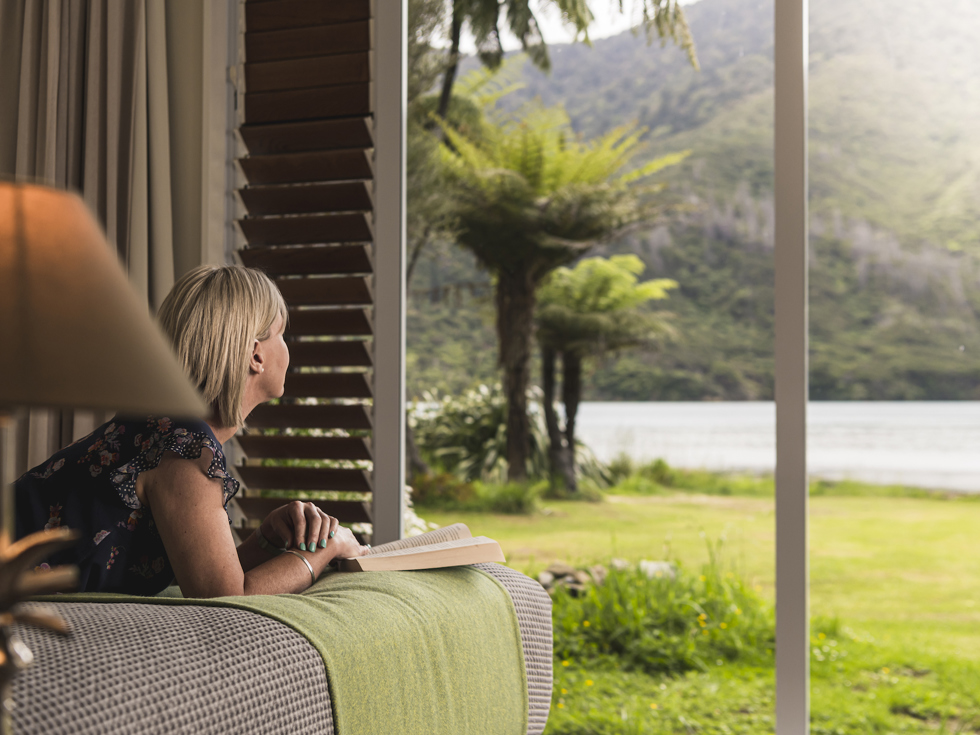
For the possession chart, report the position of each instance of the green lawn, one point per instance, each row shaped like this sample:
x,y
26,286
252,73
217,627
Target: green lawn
x,y
895,593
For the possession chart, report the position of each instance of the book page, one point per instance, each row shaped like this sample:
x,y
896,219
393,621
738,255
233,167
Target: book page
x,y
440,535
451,544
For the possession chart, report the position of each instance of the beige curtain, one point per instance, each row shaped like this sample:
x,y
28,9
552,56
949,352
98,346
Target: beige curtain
x,y
84,106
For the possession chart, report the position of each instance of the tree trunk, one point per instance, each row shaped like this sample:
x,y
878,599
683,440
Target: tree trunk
x,y
571,395
555,438
515,321
449,78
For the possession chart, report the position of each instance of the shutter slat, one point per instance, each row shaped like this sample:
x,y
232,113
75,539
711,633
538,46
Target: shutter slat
x,y
305,447
315,135
333,353
348,511
296,168
331,322
295,43
258,508
306,259
351,291
327,385
324,416
348,196
272,16
330,354
343,100
305,478
307,229
316,71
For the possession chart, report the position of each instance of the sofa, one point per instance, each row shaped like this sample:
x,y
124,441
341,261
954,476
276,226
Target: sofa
x,y
245,665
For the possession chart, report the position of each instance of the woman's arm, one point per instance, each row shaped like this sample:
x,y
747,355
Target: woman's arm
x,y
187,508
294,525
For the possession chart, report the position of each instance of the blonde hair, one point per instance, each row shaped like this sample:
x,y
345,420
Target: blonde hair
x,y
212,316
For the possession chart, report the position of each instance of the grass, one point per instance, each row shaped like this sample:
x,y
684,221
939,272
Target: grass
x,y
894,591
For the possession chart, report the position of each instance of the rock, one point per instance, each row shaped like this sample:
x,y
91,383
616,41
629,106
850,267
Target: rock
x,y
546,579
582,578
561,569
598,573
620,565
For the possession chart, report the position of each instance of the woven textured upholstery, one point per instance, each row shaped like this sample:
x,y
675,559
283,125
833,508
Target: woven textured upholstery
x,y
162,669
135,668
533,606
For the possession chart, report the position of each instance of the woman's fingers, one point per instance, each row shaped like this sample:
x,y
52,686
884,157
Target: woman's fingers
x,y
328,529
311,528
297,519
314,522
305,527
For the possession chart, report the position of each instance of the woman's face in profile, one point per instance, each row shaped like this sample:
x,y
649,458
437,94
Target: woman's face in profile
x,y
275,361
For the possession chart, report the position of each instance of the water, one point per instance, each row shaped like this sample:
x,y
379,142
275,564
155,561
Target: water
x,y
916,443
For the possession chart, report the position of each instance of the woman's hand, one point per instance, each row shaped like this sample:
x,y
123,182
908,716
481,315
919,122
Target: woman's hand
x,y
303,526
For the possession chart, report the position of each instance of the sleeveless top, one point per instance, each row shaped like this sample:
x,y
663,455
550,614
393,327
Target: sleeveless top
x,y
90,486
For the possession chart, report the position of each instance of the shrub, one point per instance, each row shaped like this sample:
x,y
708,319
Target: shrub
x,y
442,490
621,467
446,492
515,498
466,437
665,624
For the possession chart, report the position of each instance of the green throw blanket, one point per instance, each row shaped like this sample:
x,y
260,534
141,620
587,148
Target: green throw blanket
x,y
426,652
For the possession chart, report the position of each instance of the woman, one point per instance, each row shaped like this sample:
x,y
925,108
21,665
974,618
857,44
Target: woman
x,y
149,495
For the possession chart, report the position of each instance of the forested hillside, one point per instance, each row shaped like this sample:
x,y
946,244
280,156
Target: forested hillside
x,y
895,206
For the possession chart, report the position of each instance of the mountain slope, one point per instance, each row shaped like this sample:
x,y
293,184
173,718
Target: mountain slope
x,y
895,199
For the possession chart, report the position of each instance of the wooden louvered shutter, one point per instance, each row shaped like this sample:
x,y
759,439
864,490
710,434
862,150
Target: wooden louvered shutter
x,y
309,129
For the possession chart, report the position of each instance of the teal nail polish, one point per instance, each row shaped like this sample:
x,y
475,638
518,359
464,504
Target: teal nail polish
x,y
332,534
323,542
302,546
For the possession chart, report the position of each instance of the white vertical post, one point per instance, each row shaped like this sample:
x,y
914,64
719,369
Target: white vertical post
x,y
792,573
390,94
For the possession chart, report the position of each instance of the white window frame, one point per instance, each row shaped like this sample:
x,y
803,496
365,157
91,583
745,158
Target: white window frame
x,y
791,353
390,95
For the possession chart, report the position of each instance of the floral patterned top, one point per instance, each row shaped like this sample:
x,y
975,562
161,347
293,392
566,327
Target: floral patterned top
x,y
90,486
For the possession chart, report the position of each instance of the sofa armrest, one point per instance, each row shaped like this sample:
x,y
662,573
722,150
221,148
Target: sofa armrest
x,y
533,606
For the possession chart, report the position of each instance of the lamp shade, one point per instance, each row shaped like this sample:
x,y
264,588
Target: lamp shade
x,y
72,330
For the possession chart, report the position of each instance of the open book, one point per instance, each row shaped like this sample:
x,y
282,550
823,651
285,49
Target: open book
x,y
451,546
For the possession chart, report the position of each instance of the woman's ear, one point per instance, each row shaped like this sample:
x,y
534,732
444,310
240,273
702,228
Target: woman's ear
x,y
256,361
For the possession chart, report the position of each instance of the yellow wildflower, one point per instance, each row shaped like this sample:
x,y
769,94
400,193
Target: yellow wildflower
x,y
723,625
704,632
702,616
821,636
586,623
885,670
703,578
564,691
588,682
653,705
561,705
565,663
